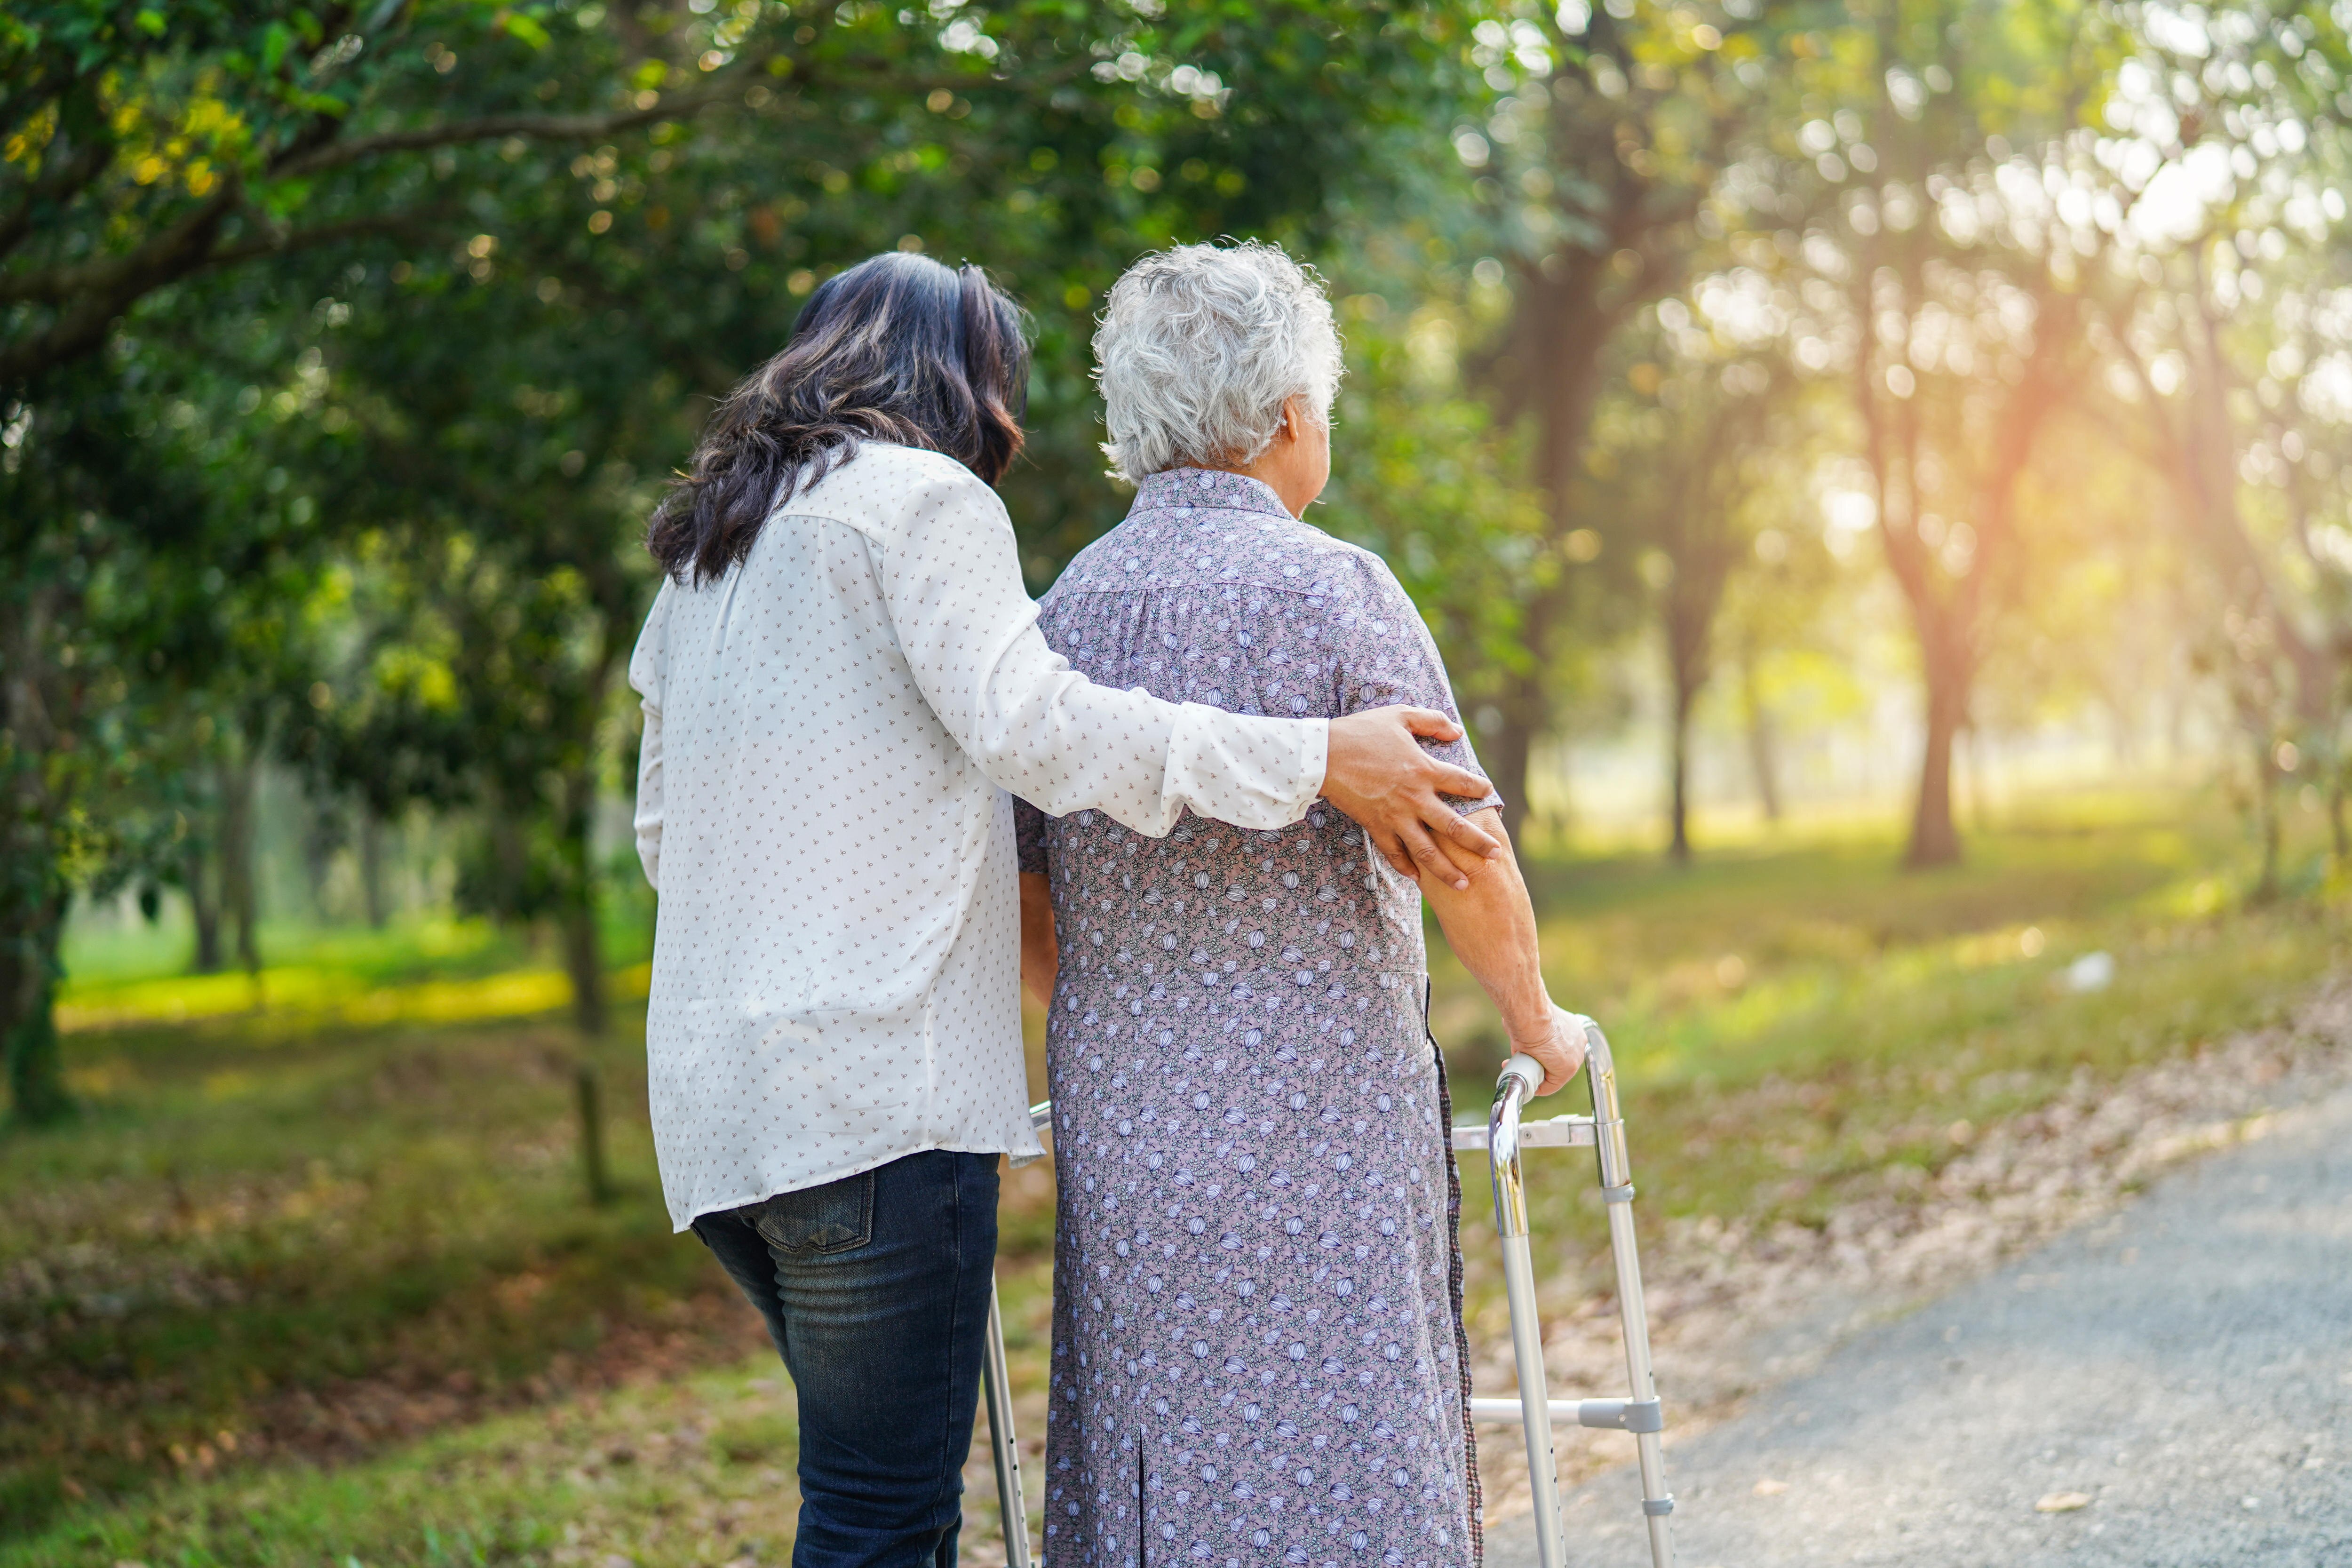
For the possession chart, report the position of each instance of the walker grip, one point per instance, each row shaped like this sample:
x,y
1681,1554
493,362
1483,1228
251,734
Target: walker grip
x,y
1527,1070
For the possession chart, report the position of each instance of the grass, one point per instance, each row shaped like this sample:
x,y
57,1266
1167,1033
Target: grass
x,y
318,1285
695,1470
1789,1022
433,969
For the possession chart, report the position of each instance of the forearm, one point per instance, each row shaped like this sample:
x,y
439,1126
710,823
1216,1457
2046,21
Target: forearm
x,y
1040,959
1491,926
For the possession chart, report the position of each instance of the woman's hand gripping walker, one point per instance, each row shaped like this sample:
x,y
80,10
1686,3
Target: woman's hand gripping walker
x,y
1504,1137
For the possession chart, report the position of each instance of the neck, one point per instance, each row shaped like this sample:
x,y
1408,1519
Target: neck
x,y
1275,475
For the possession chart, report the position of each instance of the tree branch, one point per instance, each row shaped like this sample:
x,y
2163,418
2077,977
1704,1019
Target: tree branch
x,y
161,258
90,295
110,288
279,242
61,183
534,127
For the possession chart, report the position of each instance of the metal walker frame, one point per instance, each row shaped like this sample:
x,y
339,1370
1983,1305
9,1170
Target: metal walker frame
x,y
1533,1410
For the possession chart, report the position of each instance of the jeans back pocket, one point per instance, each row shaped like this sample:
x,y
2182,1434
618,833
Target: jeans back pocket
x,y
835,1218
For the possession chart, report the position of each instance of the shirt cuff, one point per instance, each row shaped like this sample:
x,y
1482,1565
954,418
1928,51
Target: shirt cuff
x,y
1252,772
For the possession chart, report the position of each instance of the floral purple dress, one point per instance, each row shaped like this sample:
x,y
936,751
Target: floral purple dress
x,y
1258,1357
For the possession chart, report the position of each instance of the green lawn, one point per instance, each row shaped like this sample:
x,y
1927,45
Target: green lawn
x,y
318,1285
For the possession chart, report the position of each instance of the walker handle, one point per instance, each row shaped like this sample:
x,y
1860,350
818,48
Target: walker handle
x,y
1527,1070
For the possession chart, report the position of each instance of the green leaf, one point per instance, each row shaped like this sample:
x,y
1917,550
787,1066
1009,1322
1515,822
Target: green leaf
x,y
150,23
518,25
275,42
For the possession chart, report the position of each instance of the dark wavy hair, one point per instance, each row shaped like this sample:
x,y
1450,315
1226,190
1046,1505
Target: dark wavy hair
x,y
897,349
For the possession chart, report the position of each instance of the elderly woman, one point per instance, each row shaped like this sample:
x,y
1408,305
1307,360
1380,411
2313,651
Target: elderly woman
x,y
1258,1355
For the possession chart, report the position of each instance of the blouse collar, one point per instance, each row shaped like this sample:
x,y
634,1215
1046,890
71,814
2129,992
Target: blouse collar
x,y
1172,489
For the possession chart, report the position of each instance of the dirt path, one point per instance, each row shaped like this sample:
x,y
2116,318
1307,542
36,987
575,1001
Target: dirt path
x,y
2169,1386
2183,1366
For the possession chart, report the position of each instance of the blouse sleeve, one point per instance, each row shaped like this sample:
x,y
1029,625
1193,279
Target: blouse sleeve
x,y
648,674
1387,659
951,581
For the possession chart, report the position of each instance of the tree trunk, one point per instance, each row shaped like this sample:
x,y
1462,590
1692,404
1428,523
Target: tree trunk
x,y
28,980
583,961
1524,711
37,769
1763,763
582,958
237,768
370,849
2266,816
588,1089
583,964
1678,848
1935,841
205,908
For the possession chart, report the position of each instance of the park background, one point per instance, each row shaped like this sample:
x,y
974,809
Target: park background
x,y
1876,470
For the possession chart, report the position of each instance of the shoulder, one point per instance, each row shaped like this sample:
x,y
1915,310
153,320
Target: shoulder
x,y
1367,599
1347,576
1351,565
886,490
1103,563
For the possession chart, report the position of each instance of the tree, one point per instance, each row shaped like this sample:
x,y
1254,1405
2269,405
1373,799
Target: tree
x,y
1689,478
2228,143
1940,279
1598,165
88,650
148,144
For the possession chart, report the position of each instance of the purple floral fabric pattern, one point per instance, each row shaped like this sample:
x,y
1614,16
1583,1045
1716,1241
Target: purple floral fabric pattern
x,y
1257,1351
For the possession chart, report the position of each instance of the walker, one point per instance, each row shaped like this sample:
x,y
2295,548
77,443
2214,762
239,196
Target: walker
x,y
1533,1410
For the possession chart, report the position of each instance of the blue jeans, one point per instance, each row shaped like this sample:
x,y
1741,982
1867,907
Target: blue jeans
x,y
876,1292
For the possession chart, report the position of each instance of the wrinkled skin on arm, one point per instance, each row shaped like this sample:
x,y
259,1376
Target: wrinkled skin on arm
x,y
1039,959
1491,926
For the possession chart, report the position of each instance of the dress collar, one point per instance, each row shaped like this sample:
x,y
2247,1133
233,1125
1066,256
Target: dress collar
x,y
1188,488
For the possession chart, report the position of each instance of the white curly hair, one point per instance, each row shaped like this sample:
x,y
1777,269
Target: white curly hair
x,y
1199,348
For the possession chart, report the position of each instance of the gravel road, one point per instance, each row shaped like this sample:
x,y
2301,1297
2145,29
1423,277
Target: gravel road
x,y
2179,1372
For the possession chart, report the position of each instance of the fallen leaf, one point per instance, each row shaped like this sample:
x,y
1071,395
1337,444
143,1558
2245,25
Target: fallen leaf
x,y
2062,1502
1770,1488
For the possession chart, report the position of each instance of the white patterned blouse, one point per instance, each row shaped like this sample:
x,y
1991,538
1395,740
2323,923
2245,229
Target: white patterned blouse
x,y
830,731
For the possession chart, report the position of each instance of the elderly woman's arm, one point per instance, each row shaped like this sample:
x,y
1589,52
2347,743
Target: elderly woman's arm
x,y
1040,959
1491,927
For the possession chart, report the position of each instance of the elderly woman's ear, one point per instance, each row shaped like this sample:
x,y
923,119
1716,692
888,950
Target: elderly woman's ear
x,y
1296,463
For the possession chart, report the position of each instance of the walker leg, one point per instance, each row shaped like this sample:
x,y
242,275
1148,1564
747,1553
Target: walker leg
x,y
1535,1405
1617,1194
1011,1507
1521,1078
